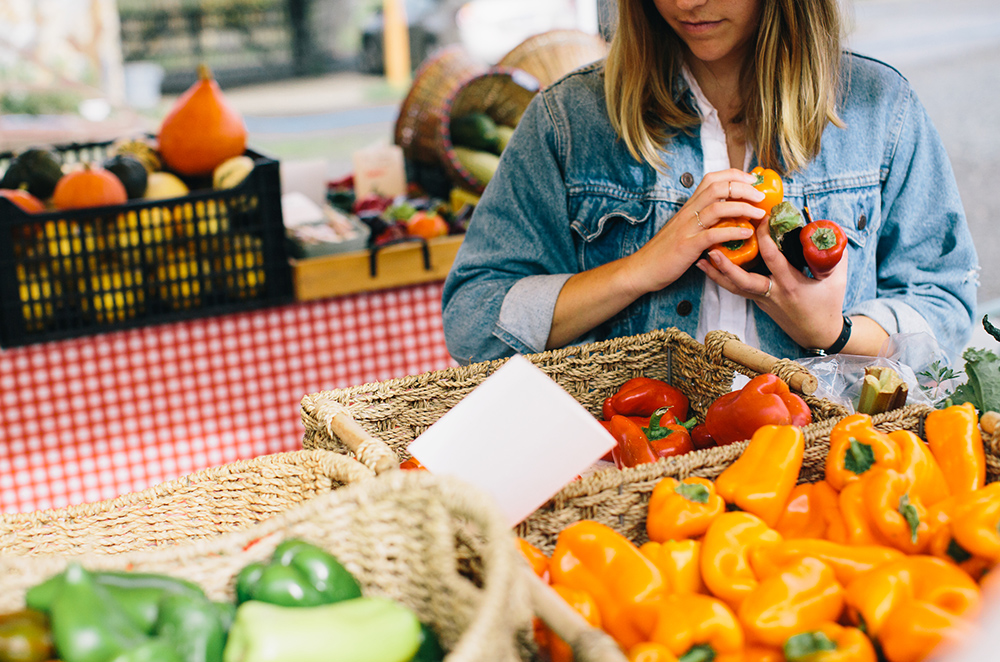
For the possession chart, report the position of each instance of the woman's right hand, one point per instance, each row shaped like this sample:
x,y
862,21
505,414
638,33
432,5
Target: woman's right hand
x,y
682,241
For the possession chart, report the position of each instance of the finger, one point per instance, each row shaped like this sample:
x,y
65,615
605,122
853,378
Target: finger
x,y
743,282
771,254
716,235
723,209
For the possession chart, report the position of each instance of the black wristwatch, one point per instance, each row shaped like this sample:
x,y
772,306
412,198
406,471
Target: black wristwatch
x,y
839,343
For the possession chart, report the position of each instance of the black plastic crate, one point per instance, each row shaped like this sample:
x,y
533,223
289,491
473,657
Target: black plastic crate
x,y
65,274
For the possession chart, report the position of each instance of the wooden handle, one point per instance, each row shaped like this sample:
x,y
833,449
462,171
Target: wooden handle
x,y
589,644
755,359
371,451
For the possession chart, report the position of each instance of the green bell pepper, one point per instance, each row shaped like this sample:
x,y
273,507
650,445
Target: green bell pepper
x,y
154,650
88,625
371,629
193,627
25,637
299,574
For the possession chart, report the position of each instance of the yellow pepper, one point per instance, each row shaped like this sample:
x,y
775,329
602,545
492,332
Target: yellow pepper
x,y
873,597
649,651
810,509
896,510
855,447
915,630
593,557
759,653
535,557
853,526
954,439
582,603
682,509
762,478
944,544
975,522
801,597
830,642
679,562
846,561
920,465
725,555
694,624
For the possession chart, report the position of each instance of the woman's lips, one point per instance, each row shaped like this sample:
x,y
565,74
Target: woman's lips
x,y
699,27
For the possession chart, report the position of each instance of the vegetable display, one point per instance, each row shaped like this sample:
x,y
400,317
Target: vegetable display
x,y
881,559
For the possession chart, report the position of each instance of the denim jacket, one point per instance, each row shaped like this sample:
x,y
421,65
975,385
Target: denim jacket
x,y
568,197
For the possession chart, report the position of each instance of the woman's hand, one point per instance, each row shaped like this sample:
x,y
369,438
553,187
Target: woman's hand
x,y
808,310
681,242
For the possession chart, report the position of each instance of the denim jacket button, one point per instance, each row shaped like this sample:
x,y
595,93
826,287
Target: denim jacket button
x,y
687,179
862,222
684,308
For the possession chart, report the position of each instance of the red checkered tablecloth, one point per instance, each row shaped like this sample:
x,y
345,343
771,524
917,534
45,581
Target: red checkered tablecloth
x,y
92,418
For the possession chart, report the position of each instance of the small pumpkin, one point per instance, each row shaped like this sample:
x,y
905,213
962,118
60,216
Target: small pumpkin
x,y
202,129
231,172
130,171
23,199
139,148
38,169
90,186
163,185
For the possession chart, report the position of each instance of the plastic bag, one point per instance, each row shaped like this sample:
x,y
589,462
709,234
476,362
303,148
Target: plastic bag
x,y
916,357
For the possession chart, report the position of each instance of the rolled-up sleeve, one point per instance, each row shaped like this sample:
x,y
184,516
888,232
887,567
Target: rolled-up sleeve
x,y
518,252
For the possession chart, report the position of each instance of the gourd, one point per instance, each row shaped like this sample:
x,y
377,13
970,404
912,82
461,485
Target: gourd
x,y
91,186
23,199
130,171
231,172
138,148
38,169
201,130
162,185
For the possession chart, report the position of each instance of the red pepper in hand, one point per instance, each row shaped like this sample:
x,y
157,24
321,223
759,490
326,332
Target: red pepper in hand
x,y
764,400
641,396
823,244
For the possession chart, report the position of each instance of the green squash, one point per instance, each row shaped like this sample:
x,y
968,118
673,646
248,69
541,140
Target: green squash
x,y
131,171
38,169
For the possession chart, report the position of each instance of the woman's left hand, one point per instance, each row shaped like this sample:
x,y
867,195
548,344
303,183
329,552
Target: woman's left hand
x,y
808,310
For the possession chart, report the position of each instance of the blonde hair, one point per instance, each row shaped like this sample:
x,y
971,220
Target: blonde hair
x,y
789,85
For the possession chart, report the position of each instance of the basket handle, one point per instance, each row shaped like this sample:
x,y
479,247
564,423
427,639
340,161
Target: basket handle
x,y
589,644
370,451
735,350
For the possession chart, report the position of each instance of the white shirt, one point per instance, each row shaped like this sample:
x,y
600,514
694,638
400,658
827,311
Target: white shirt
x,y
720,308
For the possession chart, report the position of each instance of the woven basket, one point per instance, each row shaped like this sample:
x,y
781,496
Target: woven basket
x,y
620,499
376,422
501,93
200,505
418,124
433,544
551,55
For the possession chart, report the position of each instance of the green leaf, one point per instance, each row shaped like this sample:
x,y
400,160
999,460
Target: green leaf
x,y
693,492
859,457
983,386
990,329
698,653
805,644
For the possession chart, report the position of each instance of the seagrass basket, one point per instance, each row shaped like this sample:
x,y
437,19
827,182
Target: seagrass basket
x,y
502,93
434,544
376,422
200,505
551,55
418,124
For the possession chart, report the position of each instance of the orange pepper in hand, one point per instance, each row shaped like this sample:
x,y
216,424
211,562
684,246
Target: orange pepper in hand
x,y
739,251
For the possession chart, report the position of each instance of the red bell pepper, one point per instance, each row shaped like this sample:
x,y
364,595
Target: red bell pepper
x,y
641,396
640,444
823,244
764,400
701,438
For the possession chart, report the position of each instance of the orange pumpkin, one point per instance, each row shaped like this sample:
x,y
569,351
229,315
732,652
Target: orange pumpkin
x,y
91,186
201,130
23,199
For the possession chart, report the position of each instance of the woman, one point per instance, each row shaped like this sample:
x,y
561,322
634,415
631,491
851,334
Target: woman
x,y
593,226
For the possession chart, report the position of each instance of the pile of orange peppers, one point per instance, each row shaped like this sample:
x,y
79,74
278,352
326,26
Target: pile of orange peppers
x,y
885,558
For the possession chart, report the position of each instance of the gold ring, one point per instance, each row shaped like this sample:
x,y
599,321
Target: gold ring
x,y
770,284
730,189
697,217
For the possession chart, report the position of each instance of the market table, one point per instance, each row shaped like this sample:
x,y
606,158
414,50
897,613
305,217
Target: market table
x,y
91,418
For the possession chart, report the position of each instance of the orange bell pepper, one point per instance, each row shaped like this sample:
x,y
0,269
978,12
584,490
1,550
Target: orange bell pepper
x,y
762,478
582,603
916,630
943,544
897,512
830,643
679,562
846,561
919,464
759,653
769,183
802,596
535,557
873,597
593,557
739,251
809,510
853,524
698,627
649,651
968,529
726,551
855,447
681,509
955,440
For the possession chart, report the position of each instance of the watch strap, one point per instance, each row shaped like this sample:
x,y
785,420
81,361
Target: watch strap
x,y
839,343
